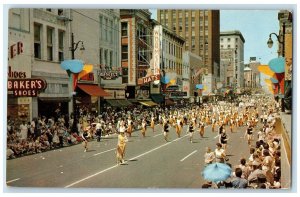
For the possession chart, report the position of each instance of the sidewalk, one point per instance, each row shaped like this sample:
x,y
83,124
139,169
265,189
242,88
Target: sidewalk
x,y
285,128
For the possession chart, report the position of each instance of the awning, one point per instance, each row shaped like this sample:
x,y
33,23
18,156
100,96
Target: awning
x,y
54,99
124,102
119,102
93,90
157,98
148,103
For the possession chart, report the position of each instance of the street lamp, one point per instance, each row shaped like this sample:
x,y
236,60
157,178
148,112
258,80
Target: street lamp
x,y
73,48
270,44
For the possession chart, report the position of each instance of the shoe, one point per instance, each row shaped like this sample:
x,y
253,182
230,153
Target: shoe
x,y
85,150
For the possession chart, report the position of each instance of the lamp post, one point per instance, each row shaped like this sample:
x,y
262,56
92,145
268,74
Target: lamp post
x,y
281,41
73,48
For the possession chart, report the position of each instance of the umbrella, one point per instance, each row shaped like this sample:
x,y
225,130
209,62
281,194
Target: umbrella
x,y
75,66
216,172
277,64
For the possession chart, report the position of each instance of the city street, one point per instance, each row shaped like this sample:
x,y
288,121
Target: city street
x,y
150,162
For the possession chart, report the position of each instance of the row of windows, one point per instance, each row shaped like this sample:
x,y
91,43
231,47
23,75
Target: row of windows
x,y
107,29
107,57
229,39
228,46
39,44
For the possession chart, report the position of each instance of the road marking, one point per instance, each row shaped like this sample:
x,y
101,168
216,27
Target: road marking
x,y
157,135
104,151
91,176
112,167
12,180
188,155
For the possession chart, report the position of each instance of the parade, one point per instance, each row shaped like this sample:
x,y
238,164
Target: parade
x,y
258,123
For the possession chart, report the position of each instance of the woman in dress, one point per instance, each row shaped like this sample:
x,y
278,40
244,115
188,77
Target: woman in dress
x,y
144,127
121,145
220,153
223,138
201,129
249,134
152,123
191,131
84,136
129,126
166,128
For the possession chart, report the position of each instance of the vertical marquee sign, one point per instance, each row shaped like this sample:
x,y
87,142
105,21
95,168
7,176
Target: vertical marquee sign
x,y
156,49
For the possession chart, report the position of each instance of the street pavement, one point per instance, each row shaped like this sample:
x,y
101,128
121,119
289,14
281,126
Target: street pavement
x,y
150,162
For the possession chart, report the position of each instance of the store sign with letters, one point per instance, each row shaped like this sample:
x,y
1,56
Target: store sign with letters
x,y
149,79
26,87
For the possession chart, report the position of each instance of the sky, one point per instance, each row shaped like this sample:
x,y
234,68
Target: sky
x,y
255,26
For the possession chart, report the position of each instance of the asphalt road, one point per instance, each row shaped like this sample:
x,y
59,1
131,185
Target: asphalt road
x,y
150,162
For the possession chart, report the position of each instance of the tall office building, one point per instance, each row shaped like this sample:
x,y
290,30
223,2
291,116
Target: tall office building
x,y
201,30
232,58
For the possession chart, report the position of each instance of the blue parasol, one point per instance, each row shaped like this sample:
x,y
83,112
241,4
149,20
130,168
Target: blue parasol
x,y
277,64
199,86
75,66
165,79
216,172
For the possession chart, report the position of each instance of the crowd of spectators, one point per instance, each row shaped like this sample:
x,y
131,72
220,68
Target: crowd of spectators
x,y
262,169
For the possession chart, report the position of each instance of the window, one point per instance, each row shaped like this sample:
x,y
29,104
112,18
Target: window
x,y
186,24
174,14
124,75
193,42
221,46
228,46
105,29
124,28
101,55
61,45
180,14
110,58
124,52
60,12
228,39
101,27
49,43
110,31
186,14
37,41
105,58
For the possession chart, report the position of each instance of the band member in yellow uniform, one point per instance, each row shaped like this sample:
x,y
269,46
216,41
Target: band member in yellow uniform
x,y
122,139
178,126
152,123
144,126
129,126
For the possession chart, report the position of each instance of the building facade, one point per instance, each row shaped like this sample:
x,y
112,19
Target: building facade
x,y
56,35
232,58
19,62
193,75
136,44
201,30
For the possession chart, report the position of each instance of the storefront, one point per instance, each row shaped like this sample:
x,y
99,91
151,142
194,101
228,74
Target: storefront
x,y
87,96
